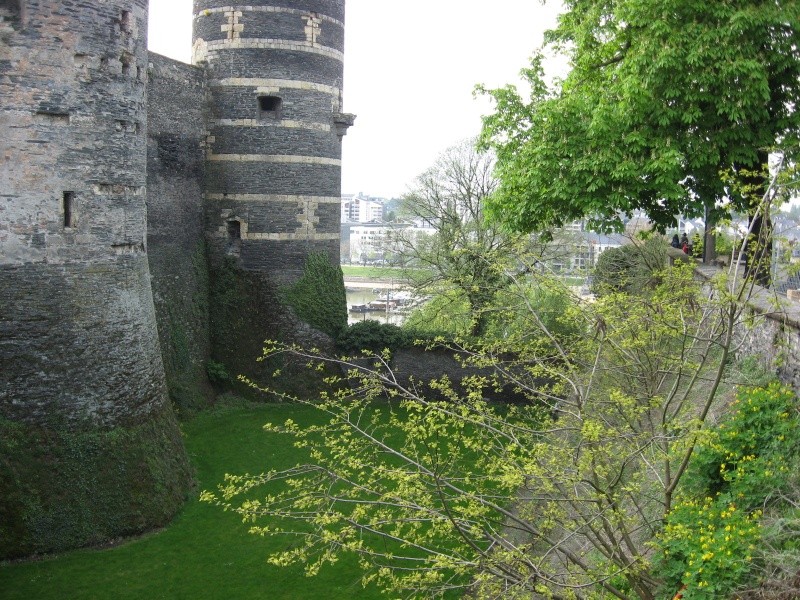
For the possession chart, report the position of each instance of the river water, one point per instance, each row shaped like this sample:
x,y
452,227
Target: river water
x,y
365,295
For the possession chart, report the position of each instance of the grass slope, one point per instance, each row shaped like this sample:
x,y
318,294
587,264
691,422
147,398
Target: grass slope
x,y
205,554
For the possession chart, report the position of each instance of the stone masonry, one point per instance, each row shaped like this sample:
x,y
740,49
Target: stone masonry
x,y
150,214
273,158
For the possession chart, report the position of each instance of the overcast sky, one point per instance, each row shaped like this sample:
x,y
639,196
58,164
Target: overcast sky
x,y
410,68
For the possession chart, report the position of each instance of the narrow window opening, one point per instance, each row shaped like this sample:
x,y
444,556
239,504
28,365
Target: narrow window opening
x,y
126,61
125,21
234,230
13,11
68,201
270,106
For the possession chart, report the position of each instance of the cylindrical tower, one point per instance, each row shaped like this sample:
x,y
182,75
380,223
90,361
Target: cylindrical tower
x,y
90,446
273,170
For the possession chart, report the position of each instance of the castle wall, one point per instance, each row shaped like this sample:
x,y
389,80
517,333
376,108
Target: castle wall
x,y
768,329
176,115
273,161
80,365
771,334
142,235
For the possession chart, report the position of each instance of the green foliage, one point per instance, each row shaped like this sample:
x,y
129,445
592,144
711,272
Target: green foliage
x,y
708,547
632,268
318,298
217,373
697,245
372,336
614,270
723,245
467,253
534,304
447,314
710,538
663,96
566,491
407,506
752,447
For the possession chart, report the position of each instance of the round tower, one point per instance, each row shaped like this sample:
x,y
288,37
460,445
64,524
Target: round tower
x,y
273,159
90,446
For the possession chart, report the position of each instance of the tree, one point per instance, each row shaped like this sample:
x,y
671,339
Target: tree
x,y
633,267
565,496
466,253
663,97
562,494
469,257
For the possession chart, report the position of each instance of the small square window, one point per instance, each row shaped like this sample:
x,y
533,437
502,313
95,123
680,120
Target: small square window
x,y
269,106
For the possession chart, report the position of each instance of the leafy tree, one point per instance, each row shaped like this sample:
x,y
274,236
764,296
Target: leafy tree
x,y
466,253
565,496
553,497
663,97
318,297
468,256
446,314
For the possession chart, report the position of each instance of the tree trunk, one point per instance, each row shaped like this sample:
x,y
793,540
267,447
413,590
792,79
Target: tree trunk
x,y
709,239
758,265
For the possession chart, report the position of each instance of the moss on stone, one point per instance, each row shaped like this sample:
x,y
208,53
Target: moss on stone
x,y
63,488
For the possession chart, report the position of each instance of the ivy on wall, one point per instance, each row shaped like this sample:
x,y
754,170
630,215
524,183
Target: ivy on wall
x,y
318,298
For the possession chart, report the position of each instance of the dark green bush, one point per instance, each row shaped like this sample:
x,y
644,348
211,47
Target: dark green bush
x,y
217,373
632,268
373,336
318,298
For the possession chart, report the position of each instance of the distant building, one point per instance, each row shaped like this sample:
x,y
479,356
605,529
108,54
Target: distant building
x,y
590,245
362,209
383,243
368,242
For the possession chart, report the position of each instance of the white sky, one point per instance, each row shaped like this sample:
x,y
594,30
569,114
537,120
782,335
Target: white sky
x,y
410,68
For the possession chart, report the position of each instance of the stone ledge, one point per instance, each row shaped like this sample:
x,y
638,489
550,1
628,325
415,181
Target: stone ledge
x,y
268,9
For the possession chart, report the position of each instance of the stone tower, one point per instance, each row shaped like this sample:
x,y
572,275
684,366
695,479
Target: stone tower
x,y
273,159
89,447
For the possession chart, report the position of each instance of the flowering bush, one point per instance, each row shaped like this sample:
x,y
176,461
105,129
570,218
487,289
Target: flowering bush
x,y
708,541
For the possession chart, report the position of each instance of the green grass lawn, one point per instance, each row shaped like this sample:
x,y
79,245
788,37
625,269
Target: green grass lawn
x,y
372,272
205,553
378,272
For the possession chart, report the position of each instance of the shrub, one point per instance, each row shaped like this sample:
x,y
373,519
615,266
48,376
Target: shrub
x,y
217,373
373,336
318,298
710,536
632,268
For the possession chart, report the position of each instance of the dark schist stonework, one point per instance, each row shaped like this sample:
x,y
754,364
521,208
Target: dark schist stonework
x,y
273,168
176,114
152,214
